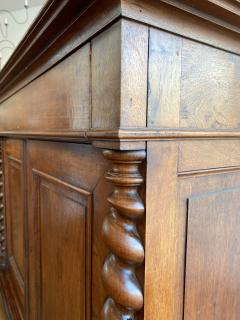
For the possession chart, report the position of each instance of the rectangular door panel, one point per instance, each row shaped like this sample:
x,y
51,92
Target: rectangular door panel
x,y
213,256
15,216
62,178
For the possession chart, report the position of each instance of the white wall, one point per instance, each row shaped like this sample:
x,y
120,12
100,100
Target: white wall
x,y
15,31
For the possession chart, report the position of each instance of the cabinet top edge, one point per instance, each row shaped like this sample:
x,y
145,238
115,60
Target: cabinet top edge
x,y
43,47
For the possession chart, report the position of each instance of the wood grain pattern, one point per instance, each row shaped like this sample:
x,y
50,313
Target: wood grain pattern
x,y
201,155
15,220
125,296
212,22
134,64
164,261
118,76
212,276
209,90
206,187
119,56
173,16
65,246
164,76
64,190
58,100
106,79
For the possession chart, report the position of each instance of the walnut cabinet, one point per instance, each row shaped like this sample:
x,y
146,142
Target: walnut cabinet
x,y
120,163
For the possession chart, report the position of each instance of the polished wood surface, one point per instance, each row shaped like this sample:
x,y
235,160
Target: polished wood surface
x,y
212,291
15,217
120,163
122,237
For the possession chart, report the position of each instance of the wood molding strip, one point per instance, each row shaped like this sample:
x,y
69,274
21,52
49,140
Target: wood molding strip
x,y
210,171
126,135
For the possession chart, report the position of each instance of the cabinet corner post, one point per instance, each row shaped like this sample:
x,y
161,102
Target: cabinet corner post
x,y
122,237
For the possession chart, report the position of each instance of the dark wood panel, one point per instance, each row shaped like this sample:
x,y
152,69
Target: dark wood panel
x,y
64,239
212,269
65,205
15,218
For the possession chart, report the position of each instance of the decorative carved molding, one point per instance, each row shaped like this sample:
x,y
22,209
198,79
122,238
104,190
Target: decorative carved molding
x,y
122,237
2,213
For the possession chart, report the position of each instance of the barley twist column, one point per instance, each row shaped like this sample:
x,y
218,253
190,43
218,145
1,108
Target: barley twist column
x,y
125,296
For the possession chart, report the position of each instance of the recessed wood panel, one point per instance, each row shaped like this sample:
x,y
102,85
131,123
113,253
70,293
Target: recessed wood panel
x,y
65,243
15,210
212,263
210,92
66,186
212,154
15,218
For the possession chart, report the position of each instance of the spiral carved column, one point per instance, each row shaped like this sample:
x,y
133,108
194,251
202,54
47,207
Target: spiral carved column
x,y
125,296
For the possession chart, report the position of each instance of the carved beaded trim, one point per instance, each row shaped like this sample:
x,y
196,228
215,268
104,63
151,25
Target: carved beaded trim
x,y
122,237
2,212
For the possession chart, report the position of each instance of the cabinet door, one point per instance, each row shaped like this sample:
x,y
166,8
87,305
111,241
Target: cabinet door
x,y
15,219
61,183
193,230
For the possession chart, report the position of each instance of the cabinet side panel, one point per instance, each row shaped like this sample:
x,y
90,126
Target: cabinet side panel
x,y
57,100
210,92
15,218
164,262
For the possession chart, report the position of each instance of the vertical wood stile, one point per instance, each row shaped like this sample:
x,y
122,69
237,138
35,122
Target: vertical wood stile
x,y
120,232
2,213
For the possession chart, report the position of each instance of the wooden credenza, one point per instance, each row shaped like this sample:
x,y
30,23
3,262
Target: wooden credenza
x,y
120,163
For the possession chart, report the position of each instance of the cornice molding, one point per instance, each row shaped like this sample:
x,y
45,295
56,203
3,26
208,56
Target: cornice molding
x,y
225,13
61,28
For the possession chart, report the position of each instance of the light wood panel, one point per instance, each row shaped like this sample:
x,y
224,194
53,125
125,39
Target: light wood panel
x,y
119,76
203,155
106,78
164,261
64,214
134,64
164,76
209,87
212,275
64,230
212,210
58,100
